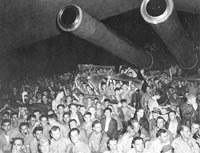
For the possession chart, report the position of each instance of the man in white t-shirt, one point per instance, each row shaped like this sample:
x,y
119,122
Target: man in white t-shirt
x,y
185,143
160,144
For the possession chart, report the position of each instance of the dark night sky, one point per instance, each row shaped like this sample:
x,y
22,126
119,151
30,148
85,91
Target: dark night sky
x,y
64,52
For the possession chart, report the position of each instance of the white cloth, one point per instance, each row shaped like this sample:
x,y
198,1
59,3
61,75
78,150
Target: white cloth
x,y
75,116
152,104
155,146
181,146
107,124
125,140
7,138
173,127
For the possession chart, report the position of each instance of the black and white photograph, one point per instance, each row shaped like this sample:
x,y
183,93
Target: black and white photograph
x,y
99,76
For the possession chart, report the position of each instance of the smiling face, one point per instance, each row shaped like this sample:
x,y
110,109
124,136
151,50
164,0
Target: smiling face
x,y
125,87
140,113
32,121
73,124
97,128
74,135
17,145
56,135
195,128
66,118
38,135
135,126
139,145
87,118
164,137
185,132
37,114
160,123
60,109
44,121
112,145
172,116
14,120
24,129
6,127
98,105
107,113
73,109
